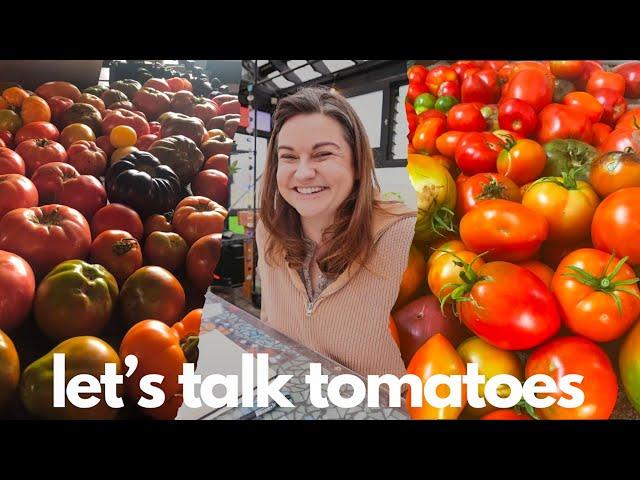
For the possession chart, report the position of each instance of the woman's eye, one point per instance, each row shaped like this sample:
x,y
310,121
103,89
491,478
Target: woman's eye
x,y
324,154
287,158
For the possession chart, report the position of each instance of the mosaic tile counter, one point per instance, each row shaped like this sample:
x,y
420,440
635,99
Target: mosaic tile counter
x,y
286,358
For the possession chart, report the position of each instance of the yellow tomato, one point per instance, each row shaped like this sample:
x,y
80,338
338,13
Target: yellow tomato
x,y
123,136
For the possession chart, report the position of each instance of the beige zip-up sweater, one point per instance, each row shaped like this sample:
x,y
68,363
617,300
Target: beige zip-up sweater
x,y
348,322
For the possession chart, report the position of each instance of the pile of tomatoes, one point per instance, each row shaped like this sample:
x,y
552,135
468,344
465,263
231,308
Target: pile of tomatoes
x,y
525,255
112,205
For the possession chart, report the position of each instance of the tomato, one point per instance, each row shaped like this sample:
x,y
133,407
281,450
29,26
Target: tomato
x,y
567,204
620,139
586,103
412,283
511,309
124,117
17,289
394,331
630,71
579,356
37,130
449,89
629,120
466,117
202,260
36,152
87,158
158,83
151,292
414,90
85,193
600,79
613,103
597,294
74,132
506,414
424,138
159,351
444,273
57,106
629,363
196,216
436,357
123,136
61,89
6,137
490,114
10,120
491,361
614,171
481,87
461,66
158,222
189,325
48,180
104,144
485,186
557,121
567,69
494,64
518,116
218,162
16,191
14,96
75,299
45,236
151,102
539,269
522,161
9,369
438,75
477,152
154,127
427,114
441,247
144,143
417,74
212,184
118,252
600,133
615,228
532,86
116,216
165,249
508,230
447,142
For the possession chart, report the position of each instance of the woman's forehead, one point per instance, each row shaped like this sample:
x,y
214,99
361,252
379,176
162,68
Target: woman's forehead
x,y
310,131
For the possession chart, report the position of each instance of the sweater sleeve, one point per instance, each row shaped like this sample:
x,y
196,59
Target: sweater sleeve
x,y
262,272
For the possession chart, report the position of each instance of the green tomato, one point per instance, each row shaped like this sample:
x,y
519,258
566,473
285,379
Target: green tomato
x,y
424,102
445,103
564,155
10,120
629,362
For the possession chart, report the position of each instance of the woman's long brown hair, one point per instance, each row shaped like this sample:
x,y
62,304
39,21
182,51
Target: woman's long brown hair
x,y
349,239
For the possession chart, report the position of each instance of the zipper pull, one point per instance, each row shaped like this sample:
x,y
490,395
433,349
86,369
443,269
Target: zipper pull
x,y
310,308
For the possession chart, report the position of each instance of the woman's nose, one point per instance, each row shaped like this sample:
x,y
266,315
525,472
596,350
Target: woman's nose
x,y
305,170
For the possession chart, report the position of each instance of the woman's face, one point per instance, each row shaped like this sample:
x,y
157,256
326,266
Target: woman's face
x,y
315,166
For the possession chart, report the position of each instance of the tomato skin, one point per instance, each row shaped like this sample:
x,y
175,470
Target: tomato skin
x,y
532,86
447,142
477,152
600,133
567,69
514,309
195,217
506,414
36,152
568,209
202,260
417,73
466,117
614,171
118,252
629,363
165,249
10,162
424,138
17,290
522,162
621,139
540,270
443,271
16,191
518,116
580,356
449,89
481,87
557,121
631,73
615,228
586,103
485,186
414,90
613,103
85,193
116,216
610,80
591,311
438,75
435,356
9,369
508,230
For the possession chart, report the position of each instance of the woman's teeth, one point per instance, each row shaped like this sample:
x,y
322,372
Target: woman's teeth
x,y
309,190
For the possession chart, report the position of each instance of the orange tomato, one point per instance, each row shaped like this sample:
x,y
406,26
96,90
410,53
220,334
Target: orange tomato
x,y
74,132
539,269
15,96
586,103
444,274
394,331
448,141
522,161
412,278
123,136
35,109
190,324
614,171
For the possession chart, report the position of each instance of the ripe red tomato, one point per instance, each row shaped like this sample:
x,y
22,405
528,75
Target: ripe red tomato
x,y
202,260
477,152
586,103
579,356
118,252
601,79
17,289
45,236
532,86
212,184
508,230
37,130
466,117
116,216
567,69
620,139
438,75
613,103
518,116
481,87
16,191
417,74
557,121
447,142
485,186
539,269
85,193
424,138
522,161
631,73
36,152
414,90
449,88
615,228
613,171
600,133
511,309
87,158
125,117
48,180
7,137
166,249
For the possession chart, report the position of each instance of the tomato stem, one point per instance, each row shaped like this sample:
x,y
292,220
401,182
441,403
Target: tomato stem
x,y
493,189
190,348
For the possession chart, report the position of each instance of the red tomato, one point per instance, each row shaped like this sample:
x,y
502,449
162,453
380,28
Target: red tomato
x,y
522,161
482,187
36,152
494,64
7,137
37,130
154,128
16,191
466,117
508,230
630,71
158,223
600,133
613,104
532,86
595,297
45,236
166,249
424,138
118,252
615,228
511,309
87,158
620,139
104,143
477,152
212,184
539,269
600,79
614,171
414,90
85,193
144,142
11,162
48,180
432,113
463,65
588,67
481,87
58,106
567,69
447,142
417,74
586,103
449,88
17,289
202,260
116,216
518,116
562,122
579,356
195,217
125,117
438,75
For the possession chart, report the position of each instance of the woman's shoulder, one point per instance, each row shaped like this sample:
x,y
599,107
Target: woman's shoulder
x,y
395,217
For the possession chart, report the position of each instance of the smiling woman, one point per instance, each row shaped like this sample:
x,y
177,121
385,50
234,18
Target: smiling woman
x,y
331,253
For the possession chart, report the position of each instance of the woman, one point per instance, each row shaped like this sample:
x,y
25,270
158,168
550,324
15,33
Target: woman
x,y
331,253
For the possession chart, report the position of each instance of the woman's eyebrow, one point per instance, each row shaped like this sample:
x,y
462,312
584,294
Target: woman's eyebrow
x,y
324,144
284,147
